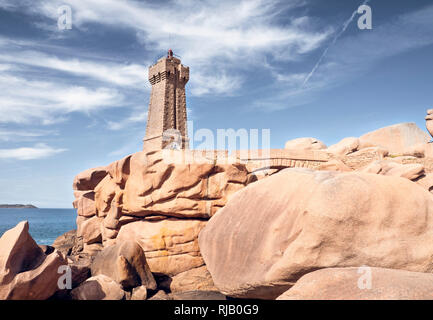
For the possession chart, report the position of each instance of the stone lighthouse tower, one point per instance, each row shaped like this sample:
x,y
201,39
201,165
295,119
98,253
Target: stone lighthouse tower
x,y
166,122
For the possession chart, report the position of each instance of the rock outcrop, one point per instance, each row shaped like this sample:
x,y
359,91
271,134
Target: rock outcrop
x,y
159,200
192,223
126,264
99,287
65,242
397,139
345,146
152,184
305,144
89,179
193,279
362,284
390,168
299,220
170,245
26,272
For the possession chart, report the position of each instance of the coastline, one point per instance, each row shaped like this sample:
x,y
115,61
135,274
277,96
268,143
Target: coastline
x,y
17,206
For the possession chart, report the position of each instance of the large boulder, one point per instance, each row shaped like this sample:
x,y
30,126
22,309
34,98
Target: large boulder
x,y
65,242
299,220
26,272
139,293
191,280
99,287
398,139
80,269
305,144
170,245
126,264
363,283
344,147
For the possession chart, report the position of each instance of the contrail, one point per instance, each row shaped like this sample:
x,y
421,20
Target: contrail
x,y
345,25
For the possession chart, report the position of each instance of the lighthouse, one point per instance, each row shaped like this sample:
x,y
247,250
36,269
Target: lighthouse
x,y
167,118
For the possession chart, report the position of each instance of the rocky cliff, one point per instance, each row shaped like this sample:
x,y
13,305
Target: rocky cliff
x,y
188,224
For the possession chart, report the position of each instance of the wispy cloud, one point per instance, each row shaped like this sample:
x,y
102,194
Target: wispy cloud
x,y
336,37
123,75
38,151
209,35
24,101
204,83
23,135
350,57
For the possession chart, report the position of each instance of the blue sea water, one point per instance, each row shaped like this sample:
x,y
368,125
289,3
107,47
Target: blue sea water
x,y
45,224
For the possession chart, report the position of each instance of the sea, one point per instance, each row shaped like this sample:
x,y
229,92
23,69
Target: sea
x,y
45,225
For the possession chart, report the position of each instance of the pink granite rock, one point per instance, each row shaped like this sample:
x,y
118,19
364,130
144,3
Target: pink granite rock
x,y
26,272
361,284
298,220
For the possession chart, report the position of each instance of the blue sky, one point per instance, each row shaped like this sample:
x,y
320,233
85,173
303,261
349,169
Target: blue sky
x,y
75,99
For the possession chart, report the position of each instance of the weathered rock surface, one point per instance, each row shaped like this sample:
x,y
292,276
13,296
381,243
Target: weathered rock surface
x,y
305,143
80,270
99,287
426,182
397,139
126,264
26,272
139,293
297,221
85,204
354,284
191,280
89,179
66,242
198,295
154,186
186,190
89,229
170,245
391,168
334,165
160,295
344,147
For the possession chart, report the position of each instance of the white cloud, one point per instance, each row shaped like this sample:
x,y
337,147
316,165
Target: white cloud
x,y
214,83
223,40
124,75
24,101
19,135
209,35
39,151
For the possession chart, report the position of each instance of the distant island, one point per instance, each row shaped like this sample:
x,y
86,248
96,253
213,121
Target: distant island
x,y
17,206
